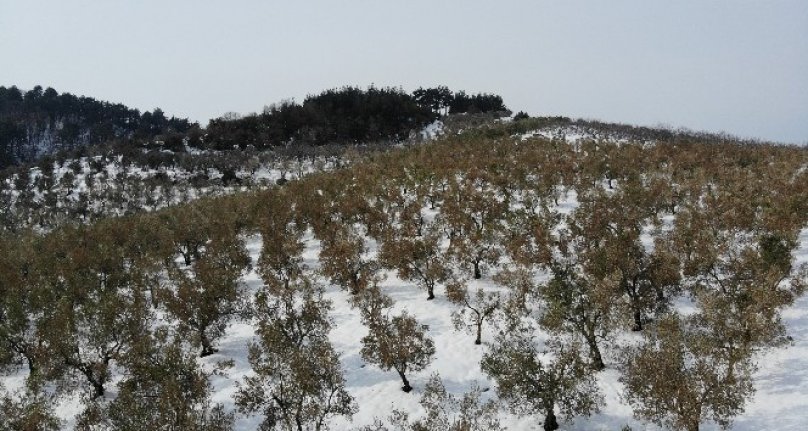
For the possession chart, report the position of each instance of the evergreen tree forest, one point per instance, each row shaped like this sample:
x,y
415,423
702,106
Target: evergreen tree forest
x,y
664,260
38,122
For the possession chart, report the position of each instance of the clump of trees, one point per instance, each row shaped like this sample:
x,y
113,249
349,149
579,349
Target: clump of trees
x,y
443,101
42,121
348,115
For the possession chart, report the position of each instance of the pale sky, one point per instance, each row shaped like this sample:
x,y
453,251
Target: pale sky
x,y
739,66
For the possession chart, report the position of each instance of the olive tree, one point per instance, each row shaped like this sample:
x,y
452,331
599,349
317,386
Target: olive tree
x,y
298,382
578,305
163,387
478,307
205,296
343,259
446,412
529,382
29,410
97,306
397,342
682,376
416,258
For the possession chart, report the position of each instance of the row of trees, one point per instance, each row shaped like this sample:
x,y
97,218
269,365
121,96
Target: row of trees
x,y
724,220
56,192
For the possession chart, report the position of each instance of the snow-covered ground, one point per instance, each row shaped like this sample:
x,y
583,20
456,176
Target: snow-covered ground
x,y
98,187
571,134
781,401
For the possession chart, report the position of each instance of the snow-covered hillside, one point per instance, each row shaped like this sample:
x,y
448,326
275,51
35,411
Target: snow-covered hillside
x,y
91,188
781,401
781,383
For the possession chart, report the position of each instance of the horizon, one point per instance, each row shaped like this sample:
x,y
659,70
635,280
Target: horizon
x,y
734,67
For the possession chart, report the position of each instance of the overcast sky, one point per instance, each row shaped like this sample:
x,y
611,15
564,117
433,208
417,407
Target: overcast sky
x,y
739,66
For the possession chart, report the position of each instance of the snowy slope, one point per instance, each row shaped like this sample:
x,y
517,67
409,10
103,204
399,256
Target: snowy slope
x,y
781,401
782,381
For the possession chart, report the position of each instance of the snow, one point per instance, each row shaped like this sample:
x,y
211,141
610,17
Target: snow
x,y
100,180
573,134
432,131
781,381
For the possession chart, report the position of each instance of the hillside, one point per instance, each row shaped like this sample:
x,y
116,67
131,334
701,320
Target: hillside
x,y
559,244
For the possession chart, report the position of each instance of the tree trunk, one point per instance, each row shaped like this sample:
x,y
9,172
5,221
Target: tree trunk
x,y
594,354
479,340
406,388
96,382
477,273
550,422
430,289
98,390
32,369
637,321
207,347
355,284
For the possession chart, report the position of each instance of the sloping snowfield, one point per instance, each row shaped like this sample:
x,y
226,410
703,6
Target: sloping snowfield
x,y
781,401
